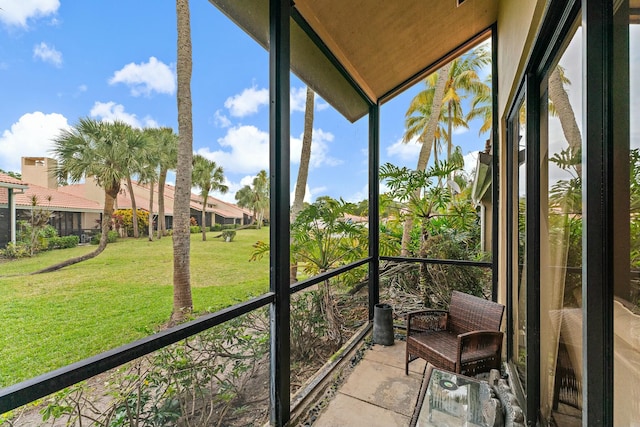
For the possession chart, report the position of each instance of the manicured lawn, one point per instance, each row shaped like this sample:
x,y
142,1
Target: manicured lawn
x,y
53,319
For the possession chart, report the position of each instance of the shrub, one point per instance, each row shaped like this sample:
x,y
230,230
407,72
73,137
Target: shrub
x,y
15,250
228,235
63,242
229,226
216,227
123,218
112,236
194,229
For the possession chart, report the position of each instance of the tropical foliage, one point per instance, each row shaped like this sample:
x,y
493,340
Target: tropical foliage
x,y
208,177
255,197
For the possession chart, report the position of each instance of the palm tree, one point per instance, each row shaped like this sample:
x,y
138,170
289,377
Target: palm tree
x,y
149,168
137,150
207,176
182,299
255,197
440,102
305,156
98,150
167,160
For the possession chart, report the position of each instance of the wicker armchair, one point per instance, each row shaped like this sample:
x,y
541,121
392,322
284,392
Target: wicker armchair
x,y
466,339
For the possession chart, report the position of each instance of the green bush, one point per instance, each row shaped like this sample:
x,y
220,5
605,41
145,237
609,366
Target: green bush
x,y
195,229
15,250
112,236
63,242
216,227
228,226
228,235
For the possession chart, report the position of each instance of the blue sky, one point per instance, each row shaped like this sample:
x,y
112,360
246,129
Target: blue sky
x,y
61,60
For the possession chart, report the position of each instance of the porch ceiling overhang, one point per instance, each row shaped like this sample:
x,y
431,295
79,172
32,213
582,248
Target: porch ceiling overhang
x,y
359,52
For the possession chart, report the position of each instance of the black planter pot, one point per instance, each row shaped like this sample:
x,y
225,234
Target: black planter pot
x,y
383,324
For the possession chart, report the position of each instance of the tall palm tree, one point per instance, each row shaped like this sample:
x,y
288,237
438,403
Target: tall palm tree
x,y
137,150
168,158
207,176
305,156
99,150
182,299
303,171
255,197
163,149
440,102
149,168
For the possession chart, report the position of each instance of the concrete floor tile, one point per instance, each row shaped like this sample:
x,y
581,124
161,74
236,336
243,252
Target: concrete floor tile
x,y
346,411
384,386
394,355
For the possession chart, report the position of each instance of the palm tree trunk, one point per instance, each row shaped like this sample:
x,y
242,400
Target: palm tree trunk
x,y
427,139
134,208
203,228
151,211
182,300
560,99
303,171
161,222
109,201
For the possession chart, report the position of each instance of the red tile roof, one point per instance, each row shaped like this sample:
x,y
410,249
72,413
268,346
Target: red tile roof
x,y
53,199
11,181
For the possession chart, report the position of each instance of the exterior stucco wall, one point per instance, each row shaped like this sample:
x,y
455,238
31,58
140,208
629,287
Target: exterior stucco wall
x,y
517,26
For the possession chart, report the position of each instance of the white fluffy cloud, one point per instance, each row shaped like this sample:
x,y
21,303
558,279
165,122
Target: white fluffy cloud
x,y
319,149
221,120
145,78
31,135
405,152
47,53
110,111
248,102
16,13
245,150
297,99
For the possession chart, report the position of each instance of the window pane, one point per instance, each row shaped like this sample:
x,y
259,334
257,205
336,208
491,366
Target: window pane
x,y
626,305
561,238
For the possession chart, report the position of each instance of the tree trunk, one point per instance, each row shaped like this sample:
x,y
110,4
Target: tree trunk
x,y
182,300
109,200
151,211
305,156
203,228
560,99
161,220
134,208
303,171
427,139
334,324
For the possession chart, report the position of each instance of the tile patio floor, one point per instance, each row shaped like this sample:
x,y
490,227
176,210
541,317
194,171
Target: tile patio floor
x,y
377,392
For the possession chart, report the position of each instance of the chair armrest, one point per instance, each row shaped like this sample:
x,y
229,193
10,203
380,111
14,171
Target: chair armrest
x,y
426,320
479,340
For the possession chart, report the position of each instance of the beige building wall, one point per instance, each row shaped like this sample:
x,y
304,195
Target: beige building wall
x,y
39,171
518,23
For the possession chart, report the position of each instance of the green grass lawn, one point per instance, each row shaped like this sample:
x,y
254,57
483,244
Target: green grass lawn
x,y
54,319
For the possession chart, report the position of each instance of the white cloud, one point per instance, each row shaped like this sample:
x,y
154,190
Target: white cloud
x,y
83,88
17,12
110,111
360,195
245,150
48,54
31,135
321,106
298,99
145,78
405,152
470,162
221,120
248,102
319,150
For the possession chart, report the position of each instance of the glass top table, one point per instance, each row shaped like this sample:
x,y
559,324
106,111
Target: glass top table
x,y
451,400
